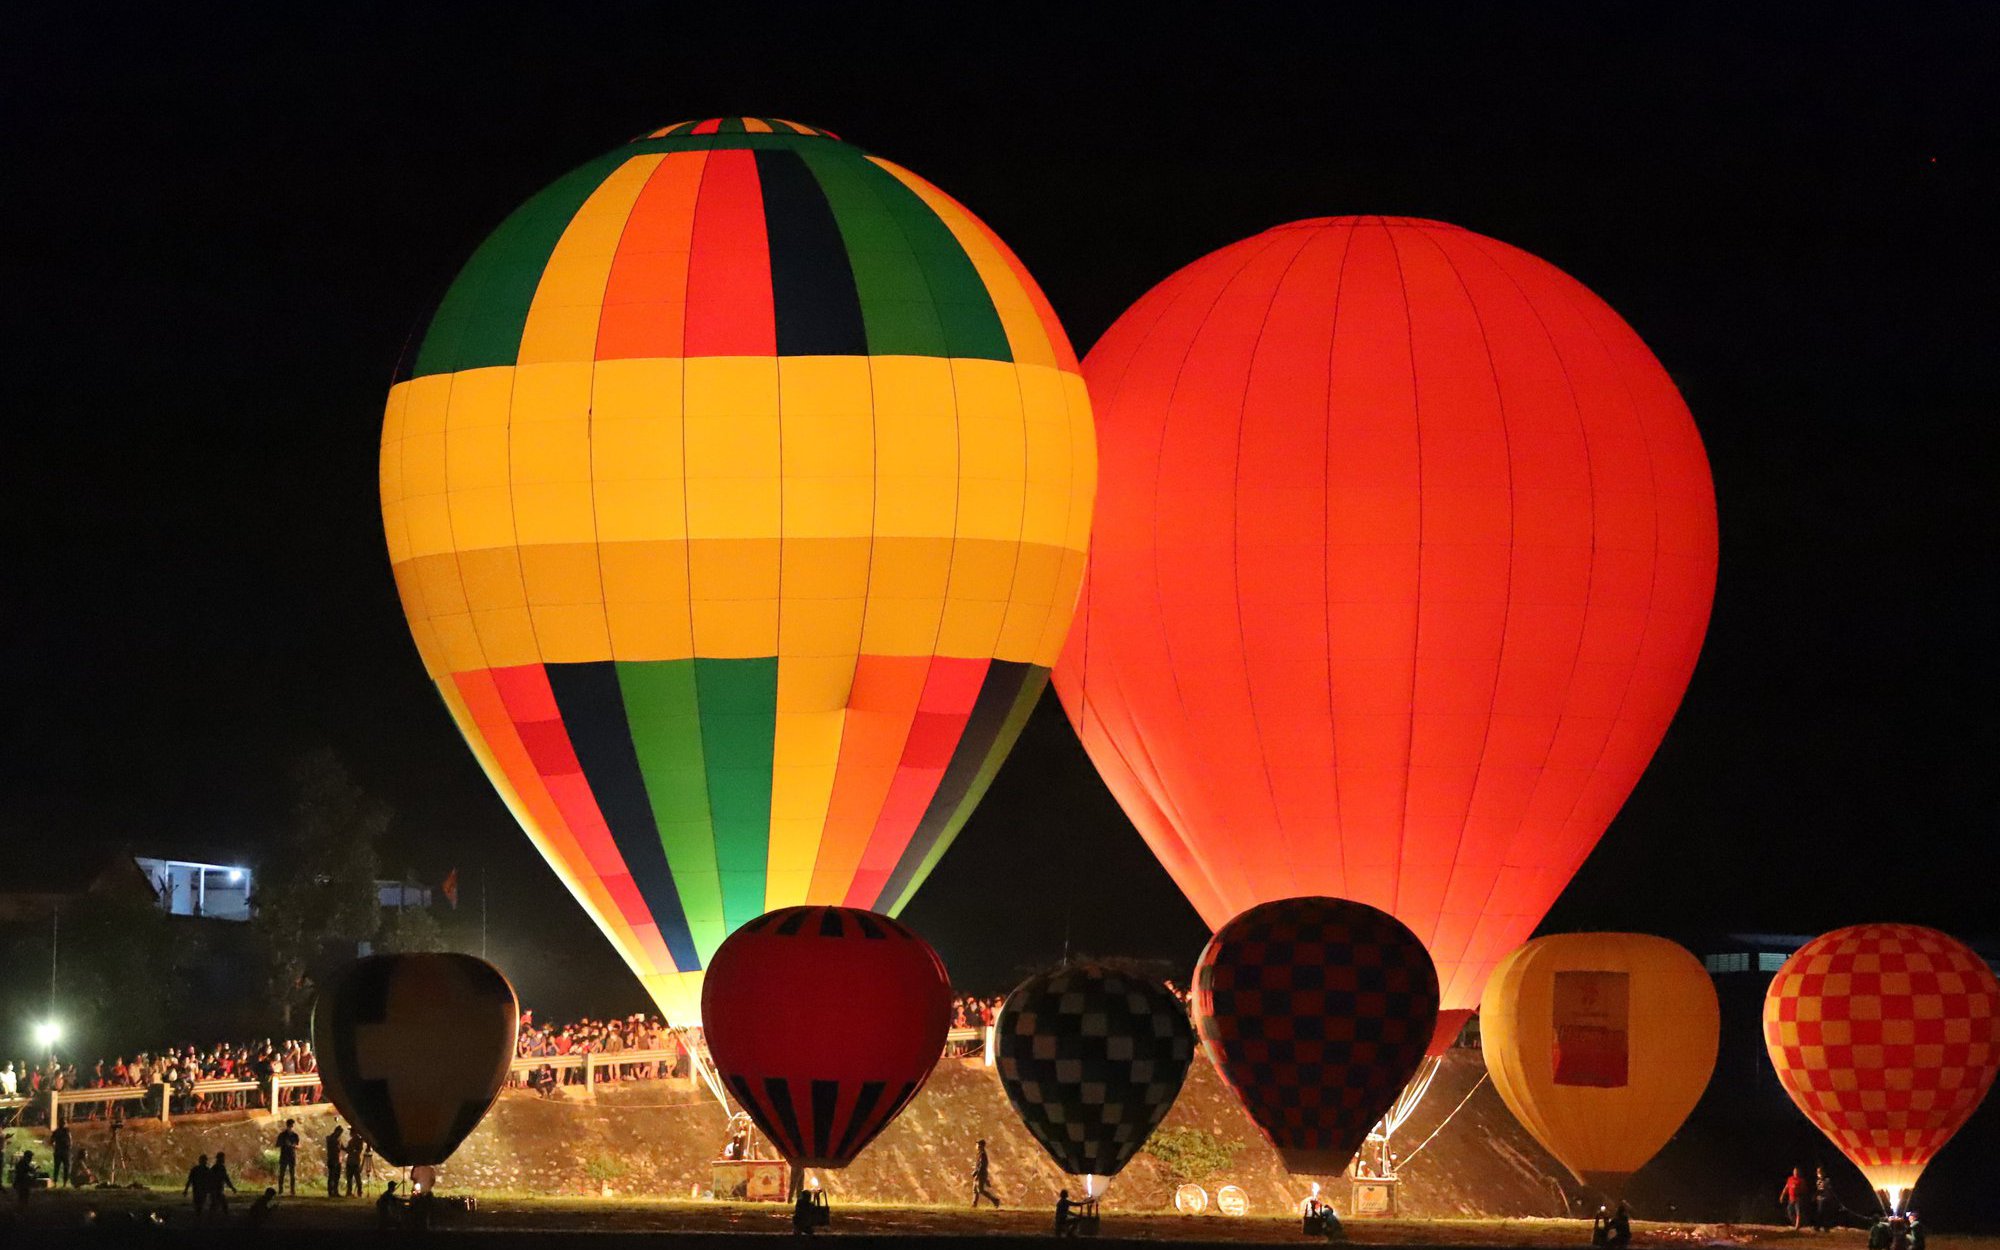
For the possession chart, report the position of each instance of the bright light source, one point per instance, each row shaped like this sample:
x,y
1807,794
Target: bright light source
x,y
47,1034
235,875
1895,1193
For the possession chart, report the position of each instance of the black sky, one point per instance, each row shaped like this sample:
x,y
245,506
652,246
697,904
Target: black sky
x,y
222,226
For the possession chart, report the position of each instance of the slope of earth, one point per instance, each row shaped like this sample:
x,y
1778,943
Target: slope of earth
x,y
655,1140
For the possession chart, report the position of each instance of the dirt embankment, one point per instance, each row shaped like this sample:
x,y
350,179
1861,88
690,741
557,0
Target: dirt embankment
x,y
646,1139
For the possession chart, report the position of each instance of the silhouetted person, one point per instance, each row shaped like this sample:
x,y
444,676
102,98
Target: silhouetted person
x,y
1065,1215
387,1207
355,1153
218,1180
1618,1229
809,1211
288,1157
982,1179
59,1155
1916,1232
333,1146
24,1176
80,1175
260,1210
1823,1203
197,1185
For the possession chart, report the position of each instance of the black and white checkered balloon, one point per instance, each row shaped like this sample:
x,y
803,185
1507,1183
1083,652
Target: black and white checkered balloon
x,y
1092,1060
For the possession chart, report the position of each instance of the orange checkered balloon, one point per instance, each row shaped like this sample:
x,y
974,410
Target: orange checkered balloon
x,y
1887,1036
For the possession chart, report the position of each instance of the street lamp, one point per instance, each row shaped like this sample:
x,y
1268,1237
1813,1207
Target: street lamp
x,y
47,1034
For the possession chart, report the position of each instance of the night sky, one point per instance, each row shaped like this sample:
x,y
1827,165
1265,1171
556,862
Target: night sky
x,y
223,231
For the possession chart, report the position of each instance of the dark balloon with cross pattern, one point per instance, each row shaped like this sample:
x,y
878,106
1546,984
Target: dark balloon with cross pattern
x,y
413,1049
824,1022
1316,1011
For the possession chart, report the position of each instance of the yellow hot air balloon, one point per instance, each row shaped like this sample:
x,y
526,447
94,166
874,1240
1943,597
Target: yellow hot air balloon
x,y
1600,1044
737,495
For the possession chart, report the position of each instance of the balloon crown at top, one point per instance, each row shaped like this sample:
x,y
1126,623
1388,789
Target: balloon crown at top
x,y
723,126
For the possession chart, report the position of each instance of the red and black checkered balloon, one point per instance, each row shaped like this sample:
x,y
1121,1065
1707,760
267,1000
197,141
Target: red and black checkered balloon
x,y
825,1022
413,1049
1317,1012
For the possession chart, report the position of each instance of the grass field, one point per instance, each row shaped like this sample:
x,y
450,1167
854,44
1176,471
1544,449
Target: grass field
x,y
114,1217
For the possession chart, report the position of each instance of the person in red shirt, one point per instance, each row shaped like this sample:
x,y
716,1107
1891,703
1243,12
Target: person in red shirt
x,y
1797,1197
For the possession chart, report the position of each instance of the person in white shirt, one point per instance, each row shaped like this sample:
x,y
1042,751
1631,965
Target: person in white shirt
x,y
9,1083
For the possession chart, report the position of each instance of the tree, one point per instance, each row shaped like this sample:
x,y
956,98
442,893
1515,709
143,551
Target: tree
x,y
116,981
407,930
315,897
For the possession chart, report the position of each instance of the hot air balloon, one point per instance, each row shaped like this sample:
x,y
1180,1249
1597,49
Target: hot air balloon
x,y
413,1049
1404,552
1092,1060
1316,1011
737,496
1885,1036
1600,1044
825,1022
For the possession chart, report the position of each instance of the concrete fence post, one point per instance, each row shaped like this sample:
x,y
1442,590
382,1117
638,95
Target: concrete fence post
x,y
161,1092
590,1074
55,1109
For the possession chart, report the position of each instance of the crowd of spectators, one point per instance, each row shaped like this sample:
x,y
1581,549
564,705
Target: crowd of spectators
x,y
609,1038
176,1073
180,1071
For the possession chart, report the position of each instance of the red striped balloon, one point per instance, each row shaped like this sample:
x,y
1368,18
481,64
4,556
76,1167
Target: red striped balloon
x,y
825,1022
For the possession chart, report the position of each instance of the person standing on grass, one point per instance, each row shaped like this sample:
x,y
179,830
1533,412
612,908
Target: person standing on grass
x,y
333,1157
288,1157
59,1156
1797,1197
355,1153
219,1179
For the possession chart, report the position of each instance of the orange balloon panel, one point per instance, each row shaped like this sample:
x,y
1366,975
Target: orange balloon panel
x,y
1887,1037
1600,1044
1403,554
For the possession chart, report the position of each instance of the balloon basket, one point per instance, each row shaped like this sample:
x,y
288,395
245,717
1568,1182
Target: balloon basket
x,y
1372,1197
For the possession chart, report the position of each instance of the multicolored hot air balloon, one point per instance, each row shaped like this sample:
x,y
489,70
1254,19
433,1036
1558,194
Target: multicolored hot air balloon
x,y
1092,1060
1600,1044
737,496
1316,1011
413,1049
825,1022
1887,1037
1404,551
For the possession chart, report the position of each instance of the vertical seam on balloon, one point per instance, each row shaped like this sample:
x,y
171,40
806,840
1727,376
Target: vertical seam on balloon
x,y
1653,580
590,423
1507,614
1590,477
1149,781
1416,626
1582,313
1326,541
874,514
687,540
1166,417
1236,567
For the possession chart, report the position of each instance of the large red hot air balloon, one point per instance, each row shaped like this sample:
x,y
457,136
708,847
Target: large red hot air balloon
x,y
1316,1012
1887,1036
1403,553
825,1022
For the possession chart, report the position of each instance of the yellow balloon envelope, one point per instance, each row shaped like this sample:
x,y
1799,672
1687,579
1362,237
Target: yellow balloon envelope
x,y
1600,1044
738,496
